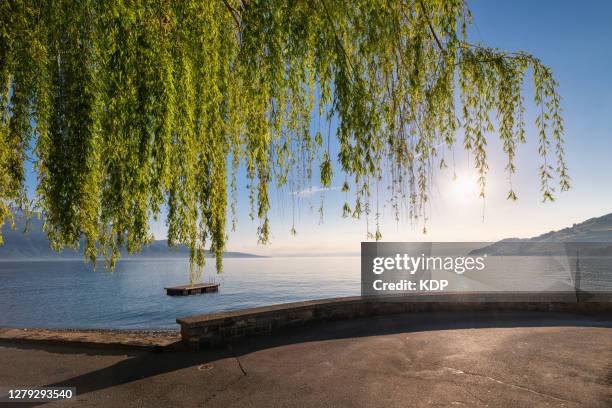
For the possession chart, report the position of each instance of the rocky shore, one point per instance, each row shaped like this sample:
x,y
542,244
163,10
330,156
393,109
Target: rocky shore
x,y
100,338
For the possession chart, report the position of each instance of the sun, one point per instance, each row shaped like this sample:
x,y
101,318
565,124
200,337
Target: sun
x,y
463,189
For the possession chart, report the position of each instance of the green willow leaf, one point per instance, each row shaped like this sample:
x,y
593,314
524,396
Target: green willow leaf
x,y
131,107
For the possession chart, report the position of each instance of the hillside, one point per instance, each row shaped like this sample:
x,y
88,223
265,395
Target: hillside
x,y
34,245
593,237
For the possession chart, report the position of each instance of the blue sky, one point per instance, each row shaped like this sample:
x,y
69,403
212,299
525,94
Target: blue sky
x,y
571,38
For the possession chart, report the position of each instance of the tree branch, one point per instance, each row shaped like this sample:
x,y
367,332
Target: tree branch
x,y
233,12
433,32
338,41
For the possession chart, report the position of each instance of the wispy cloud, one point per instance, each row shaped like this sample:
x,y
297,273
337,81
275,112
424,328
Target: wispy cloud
x,y
307,192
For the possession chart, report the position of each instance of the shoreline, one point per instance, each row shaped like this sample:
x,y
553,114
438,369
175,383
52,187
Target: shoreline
x,y
145,339
217,328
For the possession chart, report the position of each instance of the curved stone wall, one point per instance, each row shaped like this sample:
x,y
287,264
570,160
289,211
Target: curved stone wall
x,y
218,328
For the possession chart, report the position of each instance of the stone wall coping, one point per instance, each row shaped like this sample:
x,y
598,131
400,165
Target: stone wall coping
x,y
219,317
442,298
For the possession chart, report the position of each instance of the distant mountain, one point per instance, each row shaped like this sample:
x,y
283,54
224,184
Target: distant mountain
x,y
591,237
33,244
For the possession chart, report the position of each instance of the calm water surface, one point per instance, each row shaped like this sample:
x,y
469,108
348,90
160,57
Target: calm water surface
x,y
69,294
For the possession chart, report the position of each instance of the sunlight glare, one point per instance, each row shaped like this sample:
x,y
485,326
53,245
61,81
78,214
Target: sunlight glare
x,y
464,189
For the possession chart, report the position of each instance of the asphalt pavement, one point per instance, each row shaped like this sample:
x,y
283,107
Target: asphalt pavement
x,y
421,360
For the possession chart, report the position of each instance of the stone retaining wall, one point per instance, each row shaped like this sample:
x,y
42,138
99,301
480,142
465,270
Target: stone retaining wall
x,y
218,328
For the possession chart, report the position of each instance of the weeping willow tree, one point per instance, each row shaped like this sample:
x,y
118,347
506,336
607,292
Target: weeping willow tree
x,y
129,107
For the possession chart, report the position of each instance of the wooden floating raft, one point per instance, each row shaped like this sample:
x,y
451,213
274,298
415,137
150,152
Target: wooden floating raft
x,y
195,289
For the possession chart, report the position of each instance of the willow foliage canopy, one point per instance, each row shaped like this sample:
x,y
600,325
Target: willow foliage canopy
x,y
129,106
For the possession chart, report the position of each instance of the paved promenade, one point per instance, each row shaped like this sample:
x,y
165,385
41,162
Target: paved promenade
x,y
421,360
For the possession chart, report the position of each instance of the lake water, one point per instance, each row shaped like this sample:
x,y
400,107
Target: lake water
x,y
69,294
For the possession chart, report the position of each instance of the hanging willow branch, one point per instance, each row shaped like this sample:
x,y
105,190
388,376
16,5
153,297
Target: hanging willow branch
x,y
129,107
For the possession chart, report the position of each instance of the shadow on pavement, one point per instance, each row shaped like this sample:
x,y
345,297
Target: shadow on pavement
x,y
141,364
